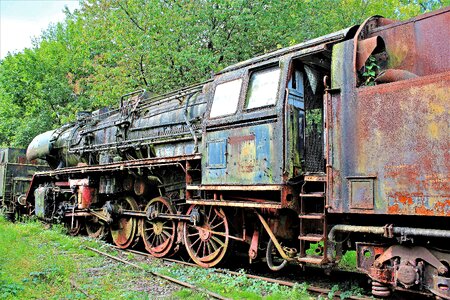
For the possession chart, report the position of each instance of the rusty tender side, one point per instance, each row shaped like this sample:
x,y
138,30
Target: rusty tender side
x,y
339,143
16,173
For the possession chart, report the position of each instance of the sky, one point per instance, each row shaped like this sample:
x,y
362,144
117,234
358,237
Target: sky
x,y
21,20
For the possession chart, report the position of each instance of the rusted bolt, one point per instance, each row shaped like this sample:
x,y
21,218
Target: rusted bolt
x,y
442,270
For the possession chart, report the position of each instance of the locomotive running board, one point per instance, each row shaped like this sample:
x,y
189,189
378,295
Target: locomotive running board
x,y
230,203
272,187
138,163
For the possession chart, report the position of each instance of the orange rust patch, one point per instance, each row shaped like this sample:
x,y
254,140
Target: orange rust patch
x,y
440,206
422,210
393,209
405,200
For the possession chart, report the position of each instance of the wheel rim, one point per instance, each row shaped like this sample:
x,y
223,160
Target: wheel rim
x,y
94,228
158,235
123,230
207,244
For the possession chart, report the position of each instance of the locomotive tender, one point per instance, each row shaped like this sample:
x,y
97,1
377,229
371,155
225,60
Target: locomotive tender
x,y
15,178
338,143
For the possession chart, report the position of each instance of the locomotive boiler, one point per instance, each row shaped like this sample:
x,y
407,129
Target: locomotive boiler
x,y
296,156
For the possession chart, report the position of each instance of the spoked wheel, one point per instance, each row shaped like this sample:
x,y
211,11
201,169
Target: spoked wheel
x,y
158,234
274,261
73,226
123,229
207,244
95,229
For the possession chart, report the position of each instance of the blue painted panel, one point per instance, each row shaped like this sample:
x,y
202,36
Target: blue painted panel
x,y
243,155
217,154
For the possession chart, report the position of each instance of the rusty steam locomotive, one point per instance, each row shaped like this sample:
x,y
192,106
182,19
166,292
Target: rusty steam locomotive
x,y
338,143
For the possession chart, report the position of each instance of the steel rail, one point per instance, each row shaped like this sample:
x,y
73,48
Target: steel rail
x,y
313,289
168,278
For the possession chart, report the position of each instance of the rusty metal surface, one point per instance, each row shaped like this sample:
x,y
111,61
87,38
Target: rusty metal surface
x,y
404,127
266,187
410,254
174,160
395,134
387,152
382,275
245,155
141,128
366,48
212,234
366,253
124,228
404,268
419,45
440,286
392,75
229,203
389,231
16,173
273,238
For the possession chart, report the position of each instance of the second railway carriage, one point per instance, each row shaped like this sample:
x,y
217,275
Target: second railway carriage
x,y
337,143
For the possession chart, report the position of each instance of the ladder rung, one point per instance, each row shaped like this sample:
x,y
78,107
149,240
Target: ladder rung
x,y
312,237
315,216
316,178
312,260
313,195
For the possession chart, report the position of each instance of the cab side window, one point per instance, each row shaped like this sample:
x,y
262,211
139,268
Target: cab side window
x,y
226,98
263,88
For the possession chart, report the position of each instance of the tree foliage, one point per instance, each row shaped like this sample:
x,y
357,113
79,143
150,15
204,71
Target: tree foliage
x,y
110,47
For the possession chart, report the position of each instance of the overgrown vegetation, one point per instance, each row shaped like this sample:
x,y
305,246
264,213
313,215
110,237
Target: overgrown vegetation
x,y
110,47
47,264
36,263
370,71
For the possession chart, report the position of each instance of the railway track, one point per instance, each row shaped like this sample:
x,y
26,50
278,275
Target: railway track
x,y
315,290
168,278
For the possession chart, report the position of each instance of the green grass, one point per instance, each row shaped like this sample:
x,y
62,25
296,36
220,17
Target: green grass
x,y
347,261
47,264
37,263
235,287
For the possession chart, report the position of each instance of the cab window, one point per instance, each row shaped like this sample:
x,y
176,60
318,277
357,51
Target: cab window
x,y
226,98
263,88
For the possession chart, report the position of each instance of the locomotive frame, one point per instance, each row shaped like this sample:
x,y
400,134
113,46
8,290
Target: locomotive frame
x,y
278,153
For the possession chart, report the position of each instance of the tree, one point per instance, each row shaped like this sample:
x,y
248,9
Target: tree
x,y
110,47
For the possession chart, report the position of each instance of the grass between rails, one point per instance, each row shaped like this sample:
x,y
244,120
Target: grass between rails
x,y
47,264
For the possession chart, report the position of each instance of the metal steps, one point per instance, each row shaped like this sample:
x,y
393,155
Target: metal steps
x,y
313,195
312,237
312,216
312,219
312,260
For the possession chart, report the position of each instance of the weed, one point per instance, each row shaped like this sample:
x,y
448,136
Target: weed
x,y
45,264
370,71
348,261
8,290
